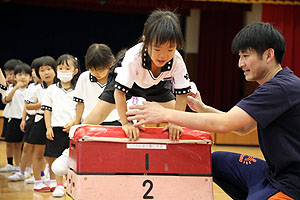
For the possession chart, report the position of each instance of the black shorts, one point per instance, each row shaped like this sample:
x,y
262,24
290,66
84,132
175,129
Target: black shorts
x,y
28,127
54,148
38,133
13,132
162,92
5,121
114,123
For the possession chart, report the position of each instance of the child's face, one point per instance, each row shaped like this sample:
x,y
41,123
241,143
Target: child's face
x,y
23,78
10,76
99,74
35,78
161,54
47,74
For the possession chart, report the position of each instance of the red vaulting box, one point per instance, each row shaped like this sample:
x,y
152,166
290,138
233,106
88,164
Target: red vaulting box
x,y
107,150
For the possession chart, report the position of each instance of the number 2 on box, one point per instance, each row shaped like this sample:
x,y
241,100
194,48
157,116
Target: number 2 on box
x,y
149,189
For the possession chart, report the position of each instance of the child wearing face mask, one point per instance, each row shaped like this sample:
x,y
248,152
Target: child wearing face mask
x,y
60,112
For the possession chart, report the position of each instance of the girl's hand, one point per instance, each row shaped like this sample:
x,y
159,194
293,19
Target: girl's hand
x,y
131,131
50,134
67,127
174,131
22,126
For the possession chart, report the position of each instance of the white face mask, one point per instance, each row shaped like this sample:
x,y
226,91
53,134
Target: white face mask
x,y
65,76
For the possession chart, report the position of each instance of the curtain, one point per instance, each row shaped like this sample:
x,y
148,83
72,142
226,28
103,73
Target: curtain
x,y
287,20
219,78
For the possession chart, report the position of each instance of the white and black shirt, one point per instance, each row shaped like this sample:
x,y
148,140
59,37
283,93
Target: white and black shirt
x,y
136,68
14,108
87,91
60,103
36,95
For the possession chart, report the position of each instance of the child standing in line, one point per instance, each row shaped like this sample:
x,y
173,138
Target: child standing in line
x,y
9,67
15,104
26,126
45,69
147,71
91,83
60,110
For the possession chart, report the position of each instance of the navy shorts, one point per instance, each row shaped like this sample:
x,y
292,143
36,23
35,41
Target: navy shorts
x,y
54,148
38,133
5,121
241,176
28,127
13,132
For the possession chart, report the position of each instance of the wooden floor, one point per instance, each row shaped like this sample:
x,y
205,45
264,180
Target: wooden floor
x,y
22,191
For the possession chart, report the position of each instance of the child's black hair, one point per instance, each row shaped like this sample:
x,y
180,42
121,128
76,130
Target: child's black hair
x,y
11,64
163,26
43,61
260,37
99,56
67,59
22,67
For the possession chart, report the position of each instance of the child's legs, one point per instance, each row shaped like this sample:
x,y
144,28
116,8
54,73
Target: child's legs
x,y
17,153
38,161
60,165
26,156
9,149
50,160
241,176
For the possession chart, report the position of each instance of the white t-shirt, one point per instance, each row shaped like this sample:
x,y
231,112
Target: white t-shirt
x,y
136,68
28,93
6,108
87,91
14,108
36,95
60,103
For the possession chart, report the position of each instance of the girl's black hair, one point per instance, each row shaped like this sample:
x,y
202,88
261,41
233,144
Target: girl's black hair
x,y
22,67
260,37
11,64
44,61
163,26
99,56
69,60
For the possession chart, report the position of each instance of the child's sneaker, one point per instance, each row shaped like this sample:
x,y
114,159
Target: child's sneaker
x,y
59,191
39,186
18,176
52,184
7,168
16,169
29,180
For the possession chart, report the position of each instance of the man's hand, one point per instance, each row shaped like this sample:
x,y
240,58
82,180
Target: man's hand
x,y
148,113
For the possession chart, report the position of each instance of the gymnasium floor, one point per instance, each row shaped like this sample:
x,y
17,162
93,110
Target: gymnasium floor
x,y
21,191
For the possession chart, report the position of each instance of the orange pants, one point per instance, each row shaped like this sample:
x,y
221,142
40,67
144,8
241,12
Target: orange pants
x,y
280,196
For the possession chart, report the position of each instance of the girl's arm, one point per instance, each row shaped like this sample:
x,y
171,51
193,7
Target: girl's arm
x,y
79,112
23,122
33,106
174,130
10,95
99,113
47,118
131,131
2,78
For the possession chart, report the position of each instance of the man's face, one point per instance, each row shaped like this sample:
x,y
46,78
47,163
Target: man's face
x,y
253,65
